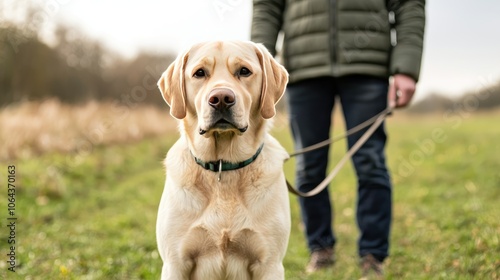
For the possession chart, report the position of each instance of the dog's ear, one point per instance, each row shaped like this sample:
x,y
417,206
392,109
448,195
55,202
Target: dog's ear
x,y
171,85
274,80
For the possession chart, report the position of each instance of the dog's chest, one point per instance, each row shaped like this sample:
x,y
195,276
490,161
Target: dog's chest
x,y
227,219
225,229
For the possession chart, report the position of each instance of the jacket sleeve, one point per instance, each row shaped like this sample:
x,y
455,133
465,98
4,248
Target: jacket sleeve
x,y
267,20
406,56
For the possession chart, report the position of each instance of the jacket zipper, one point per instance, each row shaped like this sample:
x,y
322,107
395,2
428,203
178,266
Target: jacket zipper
x,y
333,33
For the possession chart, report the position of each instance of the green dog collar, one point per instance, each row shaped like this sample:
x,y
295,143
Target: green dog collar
x,y
222,165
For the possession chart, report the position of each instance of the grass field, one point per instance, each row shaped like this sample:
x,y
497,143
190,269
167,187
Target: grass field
x,y
92,215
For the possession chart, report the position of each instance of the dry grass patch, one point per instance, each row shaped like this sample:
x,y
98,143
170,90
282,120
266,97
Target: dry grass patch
x,y
33,128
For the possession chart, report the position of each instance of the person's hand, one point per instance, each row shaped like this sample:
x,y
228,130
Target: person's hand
x,y
401,90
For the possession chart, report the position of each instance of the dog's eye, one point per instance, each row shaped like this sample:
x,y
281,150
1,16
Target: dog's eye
x,y
199,73
244,72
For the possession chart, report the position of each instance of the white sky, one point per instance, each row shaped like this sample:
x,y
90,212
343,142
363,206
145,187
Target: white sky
x,y
461,53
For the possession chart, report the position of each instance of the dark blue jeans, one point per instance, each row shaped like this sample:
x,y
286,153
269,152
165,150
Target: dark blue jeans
x,y
310,105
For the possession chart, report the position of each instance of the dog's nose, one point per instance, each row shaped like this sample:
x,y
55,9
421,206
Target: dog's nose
x,y
221,98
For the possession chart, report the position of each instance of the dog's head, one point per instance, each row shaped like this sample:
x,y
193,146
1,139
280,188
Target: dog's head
x,y
223,86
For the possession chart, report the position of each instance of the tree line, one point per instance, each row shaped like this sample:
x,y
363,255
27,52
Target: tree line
x,y
75,69
485,98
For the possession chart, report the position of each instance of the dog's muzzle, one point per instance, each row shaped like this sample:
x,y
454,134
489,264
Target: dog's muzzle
x,y
221,100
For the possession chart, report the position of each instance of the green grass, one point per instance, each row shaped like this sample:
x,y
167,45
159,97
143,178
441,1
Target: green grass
x,y
92,215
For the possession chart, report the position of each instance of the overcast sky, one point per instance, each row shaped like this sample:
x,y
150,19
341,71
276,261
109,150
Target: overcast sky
x,y
461,52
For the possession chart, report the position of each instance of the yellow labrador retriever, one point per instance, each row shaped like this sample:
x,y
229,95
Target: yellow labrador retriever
x,y
224,212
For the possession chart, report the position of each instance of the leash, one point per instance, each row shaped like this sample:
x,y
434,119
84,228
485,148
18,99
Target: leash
x,y
373,122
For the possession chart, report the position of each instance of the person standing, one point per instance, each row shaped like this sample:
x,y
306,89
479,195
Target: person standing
x,y
344,50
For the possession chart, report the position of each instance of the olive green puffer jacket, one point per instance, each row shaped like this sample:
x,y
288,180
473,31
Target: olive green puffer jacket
x,y
342,37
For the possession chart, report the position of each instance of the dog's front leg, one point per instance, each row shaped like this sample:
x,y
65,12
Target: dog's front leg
x,y
274,271
176,272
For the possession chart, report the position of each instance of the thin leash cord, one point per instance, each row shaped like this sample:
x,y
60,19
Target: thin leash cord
x,y
349,132
375,122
